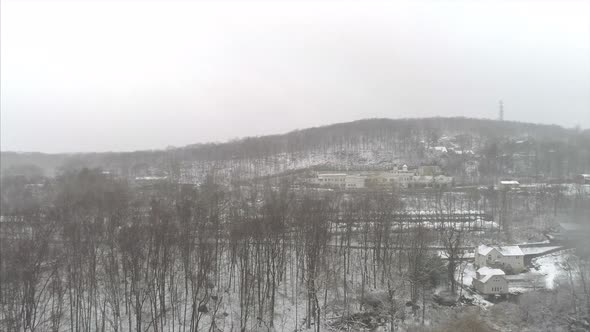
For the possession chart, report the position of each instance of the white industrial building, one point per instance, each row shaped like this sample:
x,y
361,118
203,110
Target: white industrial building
x,y
355,181
504,257
332,179
428,176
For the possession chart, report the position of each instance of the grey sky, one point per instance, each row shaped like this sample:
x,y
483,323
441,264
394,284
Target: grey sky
x,y
126,75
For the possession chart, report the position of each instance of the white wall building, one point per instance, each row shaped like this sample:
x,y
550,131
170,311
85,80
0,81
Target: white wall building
x,y
402,177
490,281
355,181
337,180
429,170
509,184
506,257
427,181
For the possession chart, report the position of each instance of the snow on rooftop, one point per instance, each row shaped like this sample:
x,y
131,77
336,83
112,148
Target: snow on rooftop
x,y
509,182
440,148
486,273
484,250
504,250
150,178
510,251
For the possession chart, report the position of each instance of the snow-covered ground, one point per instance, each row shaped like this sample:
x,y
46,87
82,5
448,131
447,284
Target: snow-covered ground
x,y
552,267
538,250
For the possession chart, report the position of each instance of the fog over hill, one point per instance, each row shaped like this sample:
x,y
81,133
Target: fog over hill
x,y
357,143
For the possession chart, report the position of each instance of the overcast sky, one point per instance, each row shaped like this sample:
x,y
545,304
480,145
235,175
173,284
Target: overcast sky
x,y
128,75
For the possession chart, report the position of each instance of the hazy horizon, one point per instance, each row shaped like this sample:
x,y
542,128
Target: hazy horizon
x,y
164,147
94,76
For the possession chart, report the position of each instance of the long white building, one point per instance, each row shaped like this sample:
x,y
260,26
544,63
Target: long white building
x,y
428,176
337,180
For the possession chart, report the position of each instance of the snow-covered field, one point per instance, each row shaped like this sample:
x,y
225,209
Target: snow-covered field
x,y
538,250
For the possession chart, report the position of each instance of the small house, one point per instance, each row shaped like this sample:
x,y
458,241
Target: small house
x,y
583,179
509,184
490,281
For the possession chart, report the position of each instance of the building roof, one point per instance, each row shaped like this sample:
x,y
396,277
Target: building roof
x,y
150,178
486,273
509,182
490,271
484,250
510,251
504,250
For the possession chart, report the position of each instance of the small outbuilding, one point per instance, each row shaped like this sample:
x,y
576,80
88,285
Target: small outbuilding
x,y
490,281
509,184
583,179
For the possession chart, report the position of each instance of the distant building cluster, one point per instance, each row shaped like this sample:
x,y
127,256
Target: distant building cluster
x,y
426,176
443,150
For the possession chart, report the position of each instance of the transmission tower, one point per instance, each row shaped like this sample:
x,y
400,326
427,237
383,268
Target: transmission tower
x,y
501,115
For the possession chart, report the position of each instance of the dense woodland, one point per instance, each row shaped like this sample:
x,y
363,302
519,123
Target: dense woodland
x,y
107,256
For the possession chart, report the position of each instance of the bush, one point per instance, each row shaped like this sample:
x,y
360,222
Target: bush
x,y
467,323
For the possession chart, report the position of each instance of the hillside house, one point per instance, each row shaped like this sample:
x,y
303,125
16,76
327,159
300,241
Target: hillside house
x,y
583,179
508,184
439,150
507,257
490,281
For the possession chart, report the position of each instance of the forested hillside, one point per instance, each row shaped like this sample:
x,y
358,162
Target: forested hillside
x,y
492,148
